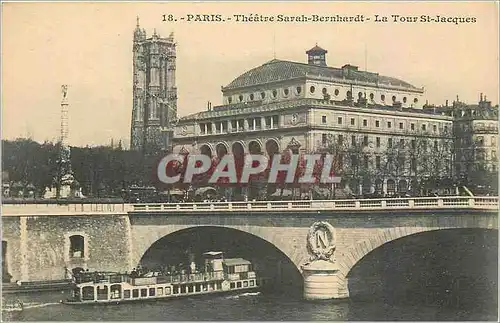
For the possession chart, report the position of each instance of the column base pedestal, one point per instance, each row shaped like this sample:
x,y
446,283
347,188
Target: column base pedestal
x,y
321,281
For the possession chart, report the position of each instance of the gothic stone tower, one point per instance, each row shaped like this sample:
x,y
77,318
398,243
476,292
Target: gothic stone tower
x,y
154,91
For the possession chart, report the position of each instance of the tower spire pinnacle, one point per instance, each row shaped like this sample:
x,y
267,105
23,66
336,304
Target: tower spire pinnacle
x,y
137,22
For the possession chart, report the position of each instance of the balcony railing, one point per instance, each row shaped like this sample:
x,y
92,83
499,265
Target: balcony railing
x,y
386,204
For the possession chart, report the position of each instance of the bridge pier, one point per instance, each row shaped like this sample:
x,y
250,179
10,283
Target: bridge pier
x,y
322,281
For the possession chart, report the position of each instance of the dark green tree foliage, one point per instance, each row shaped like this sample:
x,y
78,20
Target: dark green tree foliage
x,y
100,171
30,165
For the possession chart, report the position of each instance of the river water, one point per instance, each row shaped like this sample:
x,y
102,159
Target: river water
x,y
242,307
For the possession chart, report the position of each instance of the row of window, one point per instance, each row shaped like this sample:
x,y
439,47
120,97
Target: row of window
x,y
262,95
102,292
480,140
483,155
312,89
402,144
391,164
466,168
270,122
389,124
361,95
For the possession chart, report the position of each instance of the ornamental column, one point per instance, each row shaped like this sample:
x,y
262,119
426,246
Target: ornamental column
x,y
322,279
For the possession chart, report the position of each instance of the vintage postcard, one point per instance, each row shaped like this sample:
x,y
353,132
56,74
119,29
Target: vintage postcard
x,y
250,161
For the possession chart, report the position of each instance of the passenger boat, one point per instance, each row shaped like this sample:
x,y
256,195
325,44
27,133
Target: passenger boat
x,y
219,276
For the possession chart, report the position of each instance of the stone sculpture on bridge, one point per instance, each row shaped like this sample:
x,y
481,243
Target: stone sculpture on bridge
x,y
320,274
320,241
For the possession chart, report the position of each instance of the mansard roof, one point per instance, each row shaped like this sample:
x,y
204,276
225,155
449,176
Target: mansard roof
x,y
280,70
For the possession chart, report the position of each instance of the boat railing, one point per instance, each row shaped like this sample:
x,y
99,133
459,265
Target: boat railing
x,y
141,281
100,278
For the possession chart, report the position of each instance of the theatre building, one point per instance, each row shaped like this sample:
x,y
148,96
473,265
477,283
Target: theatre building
x,y
389,139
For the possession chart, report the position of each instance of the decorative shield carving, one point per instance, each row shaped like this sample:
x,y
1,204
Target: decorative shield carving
x,y
294,144
321,241
183,151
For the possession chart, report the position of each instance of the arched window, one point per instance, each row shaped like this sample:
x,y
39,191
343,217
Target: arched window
x,y
378,186
6,277
382,97
402,186
275,93
262,95
391,187
240,98
312,89
76,246
336,92
251,97
393,98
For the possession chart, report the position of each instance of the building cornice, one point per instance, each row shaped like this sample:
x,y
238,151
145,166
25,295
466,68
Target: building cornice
x,y
240,110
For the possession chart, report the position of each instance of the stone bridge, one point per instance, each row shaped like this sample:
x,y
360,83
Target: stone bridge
x,y
40,241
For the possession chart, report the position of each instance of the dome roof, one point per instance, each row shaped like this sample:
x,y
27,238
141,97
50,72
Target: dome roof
x,y
281,70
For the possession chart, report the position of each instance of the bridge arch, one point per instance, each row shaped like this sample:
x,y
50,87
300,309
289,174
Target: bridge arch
x,y
173,248
454,267
353,254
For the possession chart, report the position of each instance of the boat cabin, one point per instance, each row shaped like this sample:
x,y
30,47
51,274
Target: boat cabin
x,y
213,261
238,269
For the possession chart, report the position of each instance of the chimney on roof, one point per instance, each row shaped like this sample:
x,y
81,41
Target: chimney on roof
x,y
316,56
481,98
446,103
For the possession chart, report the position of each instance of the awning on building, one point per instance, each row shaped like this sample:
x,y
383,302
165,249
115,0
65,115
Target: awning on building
x,y
173,192
205,190
285,193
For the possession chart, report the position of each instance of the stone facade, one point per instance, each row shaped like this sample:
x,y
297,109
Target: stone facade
x,y
40,247
476,132
154,91
308,107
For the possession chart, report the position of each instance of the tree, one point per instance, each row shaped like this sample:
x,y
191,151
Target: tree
x,y
351,160
30,164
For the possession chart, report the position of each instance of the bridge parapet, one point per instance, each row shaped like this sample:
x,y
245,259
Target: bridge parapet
x,y
64,209
388,204
455,202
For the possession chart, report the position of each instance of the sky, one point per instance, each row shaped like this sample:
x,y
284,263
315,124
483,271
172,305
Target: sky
x,y
89,47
